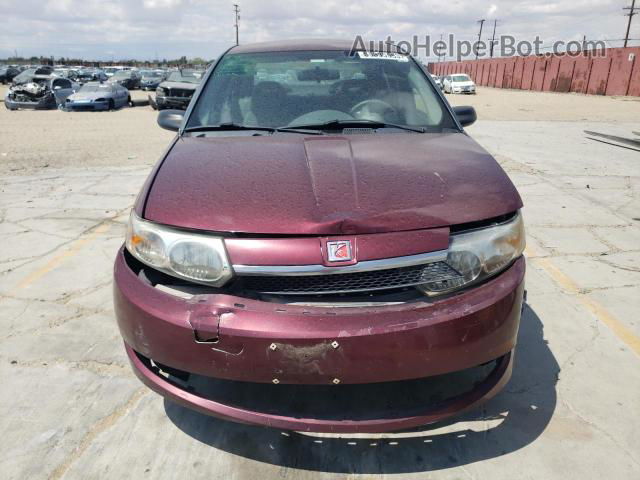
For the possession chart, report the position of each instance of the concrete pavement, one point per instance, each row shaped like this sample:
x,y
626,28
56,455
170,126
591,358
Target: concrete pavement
x,y
72,408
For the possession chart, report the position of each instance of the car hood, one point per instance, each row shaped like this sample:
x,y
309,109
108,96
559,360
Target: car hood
x,y
89,95
327,185
184,85
463,84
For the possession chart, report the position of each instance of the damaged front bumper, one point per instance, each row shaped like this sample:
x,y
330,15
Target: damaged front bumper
x,y
180,103
227,338
46,103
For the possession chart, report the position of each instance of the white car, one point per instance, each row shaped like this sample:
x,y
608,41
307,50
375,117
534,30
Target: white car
x,y
459,83
438,80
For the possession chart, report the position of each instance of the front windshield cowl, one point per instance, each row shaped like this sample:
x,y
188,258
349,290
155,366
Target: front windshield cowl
x,y
310,88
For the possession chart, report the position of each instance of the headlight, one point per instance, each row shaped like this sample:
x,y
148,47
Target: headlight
x,y
160,91
196,257
480,254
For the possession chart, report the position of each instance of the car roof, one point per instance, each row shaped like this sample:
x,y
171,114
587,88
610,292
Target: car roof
x,y
294,45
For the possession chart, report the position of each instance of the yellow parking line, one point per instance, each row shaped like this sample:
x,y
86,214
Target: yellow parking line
x,y
620,330
61,257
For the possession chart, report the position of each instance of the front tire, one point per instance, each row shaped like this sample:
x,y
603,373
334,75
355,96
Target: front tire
x,y
112,104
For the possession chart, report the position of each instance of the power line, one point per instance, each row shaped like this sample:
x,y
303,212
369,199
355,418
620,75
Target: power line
x,y
481,22
493,39
632,11
236,11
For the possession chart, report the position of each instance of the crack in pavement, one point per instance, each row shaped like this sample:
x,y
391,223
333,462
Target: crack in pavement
x,y
595,426
95,430
74,246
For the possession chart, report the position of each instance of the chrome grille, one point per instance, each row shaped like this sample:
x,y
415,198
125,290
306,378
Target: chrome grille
x,y
352,282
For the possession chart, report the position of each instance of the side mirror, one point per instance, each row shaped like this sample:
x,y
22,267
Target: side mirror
x,y
170,119
465,115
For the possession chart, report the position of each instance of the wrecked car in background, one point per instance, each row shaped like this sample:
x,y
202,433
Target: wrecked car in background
x,y
151,79
29,72
90,75
96,96
176,91
39,92
8,73
129,79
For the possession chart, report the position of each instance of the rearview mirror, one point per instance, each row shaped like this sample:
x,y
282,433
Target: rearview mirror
x,y
171,119
465,115
318,74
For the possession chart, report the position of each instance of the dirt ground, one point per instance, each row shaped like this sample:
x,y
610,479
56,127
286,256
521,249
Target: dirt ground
x,y
519,105
36,140
131,135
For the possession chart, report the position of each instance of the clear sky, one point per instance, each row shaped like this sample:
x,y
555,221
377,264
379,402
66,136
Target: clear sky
x,y
146,29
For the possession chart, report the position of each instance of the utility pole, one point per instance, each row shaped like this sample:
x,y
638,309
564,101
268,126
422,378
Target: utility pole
x,y
236,10
632,11
481,22
493,39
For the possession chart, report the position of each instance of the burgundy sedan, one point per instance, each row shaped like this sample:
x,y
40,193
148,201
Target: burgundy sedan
x,y
322,247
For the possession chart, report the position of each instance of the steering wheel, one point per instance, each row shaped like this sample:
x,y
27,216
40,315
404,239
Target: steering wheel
x,y
372,109
348,87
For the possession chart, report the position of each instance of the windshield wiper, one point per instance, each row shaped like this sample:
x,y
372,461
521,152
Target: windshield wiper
x,y
226,126
234,126
341,124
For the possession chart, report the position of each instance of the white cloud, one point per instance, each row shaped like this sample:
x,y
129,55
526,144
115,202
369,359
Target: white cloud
x,y
101,29
161,3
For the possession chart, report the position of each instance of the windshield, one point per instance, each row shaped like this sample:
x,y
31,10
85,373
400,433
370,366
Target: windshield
x,y
151,74
278,89
460,78
183,76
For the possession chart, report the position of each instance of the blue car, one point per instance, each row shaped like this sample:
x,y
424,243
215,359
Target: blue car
x,y
94,96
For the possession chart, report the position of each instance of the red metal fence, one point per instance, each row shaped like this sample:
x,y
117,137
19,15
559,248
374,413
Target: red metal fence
x,y
617,73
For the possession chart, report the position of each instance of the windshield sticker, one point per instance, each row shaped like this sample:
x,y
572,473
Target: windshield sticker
x,y
383,56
